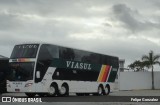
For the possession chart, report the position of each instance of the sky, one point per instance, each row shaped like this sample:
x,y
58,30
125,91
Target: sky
x,y
127,29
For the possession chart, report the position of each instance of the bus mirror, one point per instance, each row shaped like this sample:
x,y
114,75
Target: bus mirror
x,y
38,74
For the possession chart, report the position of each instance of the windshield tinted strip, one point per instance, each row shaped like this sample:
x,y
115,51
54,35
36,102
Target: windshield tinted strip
x,y
25,51
23,60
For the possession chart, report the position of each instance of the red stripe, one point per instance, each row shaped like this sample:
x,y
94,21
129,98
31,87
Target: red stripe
x,y
105,75
109,68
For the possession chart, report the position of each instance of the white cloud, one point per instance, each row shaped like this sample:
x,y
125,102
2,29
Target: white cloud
x,y
124,29
131,19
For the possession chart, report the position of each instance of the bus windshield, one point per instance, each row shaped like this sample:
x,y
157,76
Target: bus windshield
x,y
24,51
22,71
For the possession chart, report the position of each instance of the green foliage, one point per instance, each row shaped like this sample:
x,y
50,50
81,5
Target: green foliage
x,y
151,59
148,61
136,65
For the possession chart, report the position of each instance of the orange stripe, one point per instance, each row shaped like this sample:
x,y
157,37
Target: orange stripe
x,y
101,73
104,73
23,60
99,77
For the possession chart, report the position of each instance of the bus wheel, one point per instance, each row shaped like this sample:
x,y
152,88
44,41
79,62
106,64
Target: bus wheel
x,y
30,94
64,91
100,90
53,89
107,90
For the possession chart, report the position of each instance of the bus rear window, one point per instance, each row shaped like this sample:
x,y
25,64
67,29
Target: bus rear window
x,y
25,51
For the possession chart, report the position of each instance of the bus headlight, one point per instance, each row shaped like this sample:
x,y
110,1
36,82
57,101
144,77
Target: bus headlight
x,y
8,85
28,84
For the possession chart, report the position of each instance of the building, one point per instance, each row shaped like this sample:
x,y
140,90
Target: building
x,y
121,65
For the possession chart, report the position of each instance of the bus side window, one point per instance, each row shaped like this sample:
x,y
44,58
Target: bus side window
x,y
43,62
53,51
67,53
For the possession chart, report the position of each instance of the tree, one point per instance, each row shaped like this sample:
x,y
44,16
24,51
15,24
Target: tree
x,y
137,65
150,60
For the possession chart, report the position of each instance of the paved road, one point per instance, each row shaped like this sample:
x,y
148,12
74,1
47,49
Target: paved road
x,y
74,98
120,97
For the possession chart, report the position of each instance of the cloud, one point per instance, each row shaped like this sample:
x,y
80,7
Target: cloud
x,y
131,19
129,49
8,21
124,29
50,8
156,3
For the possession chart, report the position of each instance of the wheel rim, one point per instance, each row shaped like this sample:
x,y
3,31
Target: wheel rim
x,y
106,90
52,90
99,90
63,90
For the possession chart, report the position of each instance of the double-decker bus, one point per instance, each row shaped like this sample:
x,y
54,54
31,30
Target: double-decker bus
x,y
52,70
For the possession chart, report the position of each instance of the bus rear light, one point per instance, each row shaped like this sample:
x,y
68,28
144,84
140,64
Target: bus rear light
x,y
28,84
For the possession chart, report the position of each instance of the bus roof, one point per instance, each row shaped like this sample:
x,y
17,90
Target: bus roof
x,y
41,43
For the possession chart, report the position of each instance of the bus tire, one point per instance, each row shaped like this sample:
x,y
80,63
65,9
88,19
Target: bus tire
x,y
100,90
107,90
30,94
53,90
64,91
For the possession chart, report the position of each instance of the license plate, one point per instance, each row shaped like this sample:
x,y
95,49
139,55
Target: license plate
x,y
17,90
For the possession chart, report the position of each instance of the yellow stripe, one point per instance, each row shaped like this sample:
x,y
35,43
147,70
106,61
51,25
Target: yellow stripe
x,y
101,73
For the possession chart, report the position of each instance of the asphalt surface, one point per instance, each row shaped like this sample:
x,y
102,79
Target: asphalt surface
x,y
72,98
115,98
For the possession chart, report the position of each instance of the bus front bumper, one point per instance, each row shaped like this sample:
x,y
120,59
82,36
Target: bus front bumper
x,y
20,86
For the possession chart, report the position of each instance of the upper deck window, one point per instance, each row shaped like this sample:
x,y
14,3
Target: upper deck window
x,y
25,51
